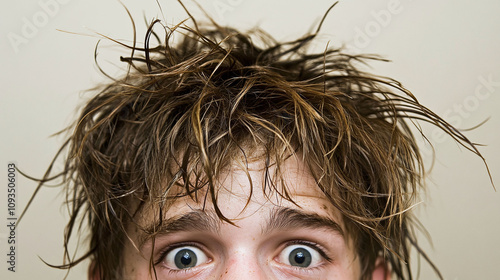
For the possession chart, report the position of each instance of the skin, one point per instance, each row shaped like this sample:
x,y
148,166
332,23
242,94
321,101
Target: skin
x,y
266,231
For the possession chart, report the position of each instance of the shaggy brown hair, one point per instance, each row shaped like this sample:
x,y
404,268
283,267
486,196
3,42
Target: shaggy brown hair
x,y
187,109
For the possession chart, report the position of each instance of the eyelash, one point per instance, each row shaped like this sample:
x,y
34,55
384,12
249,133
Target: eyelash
x,y
179,271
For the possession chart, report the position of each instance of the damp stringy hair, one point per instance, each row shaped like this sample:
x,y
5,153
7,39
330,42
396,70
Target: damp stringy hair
x,y
188,108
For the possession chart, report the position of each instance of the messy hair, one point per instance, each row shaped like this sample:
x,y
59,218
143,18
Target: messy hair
x,y
187,108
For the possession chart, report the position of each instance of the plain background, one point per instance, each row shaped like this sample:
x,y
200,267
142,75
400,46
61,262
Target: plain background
x,y
447,52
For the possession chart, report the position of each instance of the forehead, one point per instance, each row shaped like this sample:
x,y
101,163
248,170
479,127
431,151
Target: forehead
x,y
247,187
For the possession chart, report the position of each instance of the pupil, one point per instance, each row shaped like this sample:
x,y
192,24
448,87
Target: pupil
x,y
185,259
300,257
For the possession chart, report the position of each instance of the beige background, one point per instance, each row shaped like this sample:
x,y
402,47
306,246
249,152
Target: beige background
x,y
443,51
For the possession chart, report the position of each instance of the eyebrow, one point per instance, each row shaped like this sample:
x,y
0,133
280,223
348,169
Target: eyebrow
x,y
280,219
284,218
196,220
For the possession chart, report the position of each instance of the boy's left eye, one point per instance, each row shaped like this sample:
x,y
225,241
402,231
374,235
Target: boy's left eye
x,y
185,257
299,255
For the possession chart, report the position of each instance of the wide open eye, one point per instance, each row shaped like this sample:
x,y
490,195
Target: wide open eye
x,y
185,257
300,255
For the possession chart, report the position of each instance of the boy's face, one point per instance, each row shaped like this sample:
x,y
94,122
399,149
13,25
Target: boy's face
x,y
271,238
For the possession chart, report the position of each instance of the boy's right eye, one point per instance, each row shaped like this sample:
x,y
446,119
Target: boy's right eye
x,y
185,257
